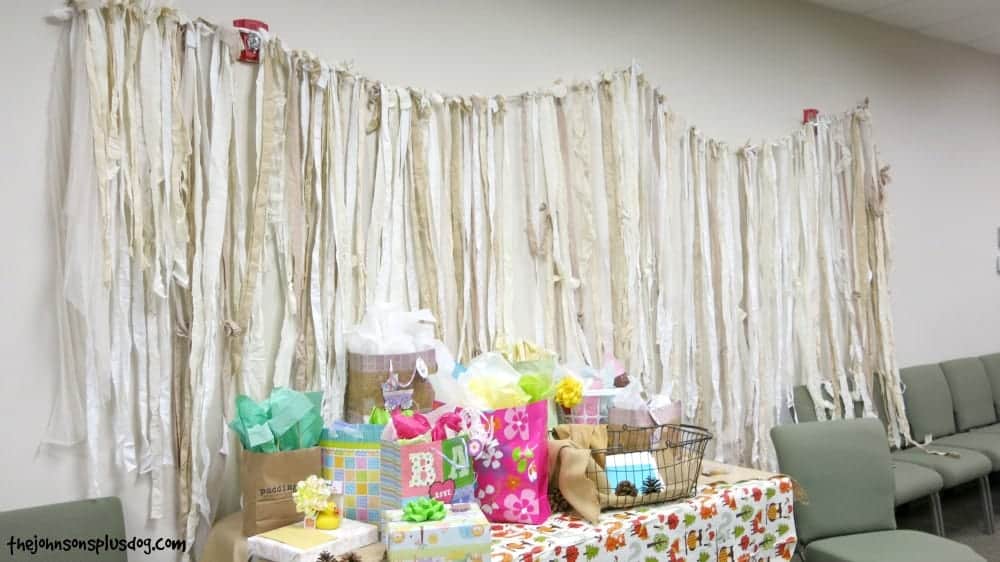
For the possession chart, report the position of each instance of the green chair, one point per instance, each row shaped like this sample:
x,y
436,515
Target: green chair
x,y
992,365
975,414
958,457
844,468
971,395
84,519
975,370
911,482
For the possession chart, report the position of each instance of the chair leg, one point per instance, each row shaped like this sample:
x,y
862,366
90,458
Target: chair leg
x,y
987,500
937,515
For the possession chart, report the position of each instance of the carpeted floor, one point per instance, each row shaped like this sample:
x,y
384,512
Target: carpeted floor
x,y
963,520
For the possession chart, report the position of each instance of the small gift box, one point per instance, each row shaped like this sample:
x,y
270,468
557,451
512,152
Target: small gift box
x,y
296,543
463,534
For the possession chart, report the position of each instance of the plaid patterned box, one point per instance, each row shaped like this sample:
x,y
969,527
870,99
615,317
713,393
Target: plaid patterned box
x,y
354,458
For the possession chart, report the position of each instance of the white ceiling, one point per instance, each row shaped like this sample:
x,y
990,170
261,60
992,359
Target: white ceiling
x,y
975,23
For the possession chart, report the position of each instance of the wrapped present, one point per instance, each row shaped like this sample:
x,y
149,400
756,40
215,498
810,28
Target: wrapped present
x,y
463,534
295,543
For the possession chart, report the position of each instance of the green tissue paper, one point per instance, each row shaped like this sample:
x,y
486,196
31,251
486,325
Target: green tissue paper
x,y
285,421
537,385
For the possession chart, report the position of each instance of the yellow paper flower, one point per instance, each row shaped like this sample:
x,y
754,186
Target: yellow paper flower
x,y
311,496
569,392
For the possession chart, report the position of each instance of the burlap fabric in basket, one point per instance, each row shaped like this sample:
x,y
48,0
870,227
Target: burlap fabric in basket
x,y
366,373
570,460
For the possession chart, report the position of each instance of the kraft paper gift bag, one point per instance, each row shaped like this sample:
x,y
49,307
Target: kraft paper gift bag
x,y
267,481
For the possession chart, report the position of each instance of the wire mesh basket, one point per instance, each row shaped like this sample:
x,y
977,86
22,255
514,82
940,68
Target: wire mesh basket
x,y
646,465
592,409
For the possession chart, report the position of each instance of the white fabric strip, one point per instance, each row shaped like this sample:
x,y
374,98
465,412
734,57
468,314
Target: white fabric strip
x,y
318,258
279,221
477,233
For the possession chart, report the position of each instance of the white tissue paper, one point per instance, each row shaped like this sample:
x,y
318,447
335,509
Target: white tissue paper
x,y
446,386
630,397
663,410
631,408
389,329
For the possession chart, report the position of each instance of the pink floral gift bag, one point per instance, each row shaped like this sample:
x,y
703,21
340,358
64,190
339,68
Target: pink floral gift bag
x,y
513,472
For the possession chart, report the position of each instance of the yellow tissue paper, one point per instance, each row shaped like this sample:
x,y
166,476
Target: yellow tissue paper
x,y
496,392
521,350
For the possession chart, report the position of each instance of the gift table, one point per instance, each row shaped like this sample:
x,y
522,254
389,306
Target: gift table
x,y
743,521
741,515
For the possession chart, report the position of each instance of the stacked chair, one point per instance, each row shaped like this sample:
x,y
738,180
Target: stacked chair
x,y
911,481
941,410
845,469
952,409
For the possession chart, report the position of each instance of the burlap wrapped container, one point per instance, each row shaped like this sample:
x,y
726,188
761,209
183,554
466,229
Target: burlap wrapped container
x,y
366,373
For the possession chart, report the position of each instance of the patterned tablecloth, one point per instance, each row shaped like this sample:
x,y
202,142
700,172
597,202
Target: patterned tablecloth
x,y
743,522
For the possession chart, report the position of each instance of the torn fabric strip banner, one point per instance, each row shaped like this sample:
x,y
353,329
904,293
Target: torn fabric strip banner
x,y
216,239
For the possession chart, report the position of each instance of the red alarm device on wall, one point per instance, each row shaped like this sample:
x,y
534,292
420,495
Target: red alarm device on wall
x,y
252,37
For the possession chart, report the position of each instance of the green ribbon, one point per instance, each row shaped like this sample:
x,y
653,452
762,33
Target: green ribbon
x,y
378,416
424,509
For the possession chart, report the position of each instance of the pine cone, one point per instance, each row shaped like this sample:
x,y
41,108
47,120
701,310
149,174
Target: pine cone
x,y
325,557
557,501
626,488
349,557
651,485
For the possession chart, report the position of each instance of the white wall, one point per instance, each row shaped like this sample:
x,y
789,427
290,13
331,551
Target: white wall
x,y
739,69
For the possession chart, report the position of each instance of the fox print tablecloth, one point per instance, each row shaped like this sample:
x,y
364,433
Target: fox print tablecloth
x,y
744,522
